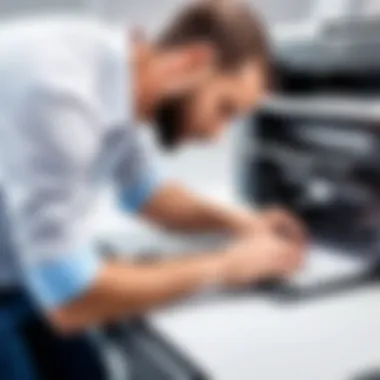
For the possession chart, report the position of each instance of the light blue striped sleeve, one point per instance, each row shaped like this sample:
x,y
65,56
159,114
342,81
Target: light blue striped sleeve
x,y
56,282
134,197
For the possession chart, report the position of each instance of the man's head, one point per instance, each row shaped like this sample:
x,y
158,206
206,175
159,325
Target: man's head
x,y
212,62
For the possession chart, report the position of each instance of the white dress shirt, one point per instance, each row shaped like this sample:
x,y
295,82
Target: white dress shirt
x,y
66,126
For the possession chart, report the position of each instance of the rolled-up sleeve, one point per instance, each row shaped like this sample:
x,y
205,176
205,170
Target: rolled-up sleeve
x,y
51,145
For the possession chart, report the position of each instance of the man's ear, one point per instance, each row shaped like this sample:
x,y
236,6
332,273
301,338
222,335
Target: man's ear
x,y
185,67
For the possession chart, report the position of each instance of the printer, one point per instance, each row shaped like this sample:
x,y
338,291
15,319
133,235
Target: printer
x,y
314,146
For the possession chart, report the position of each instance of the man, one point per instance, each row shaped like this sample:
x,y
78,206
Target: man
x,y
72,96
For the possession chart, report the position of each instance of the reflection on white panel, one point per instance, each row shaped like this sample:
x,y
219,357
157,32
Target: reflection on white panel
x,y
327,9
151,12
285,11
16,7
369,7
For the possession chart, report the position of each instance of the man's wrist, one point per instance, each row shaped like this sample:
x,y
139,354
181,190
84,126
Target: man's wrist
x,y
244,222
213,271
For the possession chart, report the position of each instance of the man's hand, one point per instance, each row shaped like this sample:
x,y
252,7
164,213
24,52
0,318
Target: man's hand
x,y
283,223
273,217
275,250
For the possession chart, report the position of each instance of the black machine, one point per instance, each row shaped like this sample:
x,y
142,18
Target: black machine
x,y
315,146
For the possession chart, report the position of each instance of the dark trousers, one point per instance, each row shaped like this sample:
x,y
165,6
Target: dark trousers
x,y
30,350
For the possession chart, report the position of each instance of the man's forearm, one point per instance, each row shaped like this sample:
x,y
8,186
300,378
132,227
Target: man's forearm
x,y
131,290
178,209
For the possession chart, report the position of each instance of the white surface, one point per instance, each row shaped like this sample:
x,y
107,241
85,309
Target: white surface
x,y
322,265
249,338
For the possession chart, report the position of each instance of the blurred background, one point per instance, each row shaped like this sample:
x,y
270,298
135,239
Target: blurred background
x,y
313,147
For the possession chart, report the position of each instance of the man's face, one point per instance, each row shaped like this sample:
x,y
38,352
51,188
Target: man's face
x,y
203,112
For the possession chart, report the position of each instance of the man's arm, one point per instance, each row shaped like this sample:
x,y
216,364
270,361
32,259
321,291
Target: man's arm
x,y
124,290
143,190
167,204
127,290
178,209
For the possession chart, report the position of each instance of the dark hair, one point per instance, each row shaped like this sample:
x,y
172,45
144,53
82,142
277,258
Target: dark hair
x,y
232,27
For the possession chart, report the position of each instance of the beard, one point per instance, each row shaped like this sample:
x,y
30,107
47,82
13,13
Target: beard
x,y
169,119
